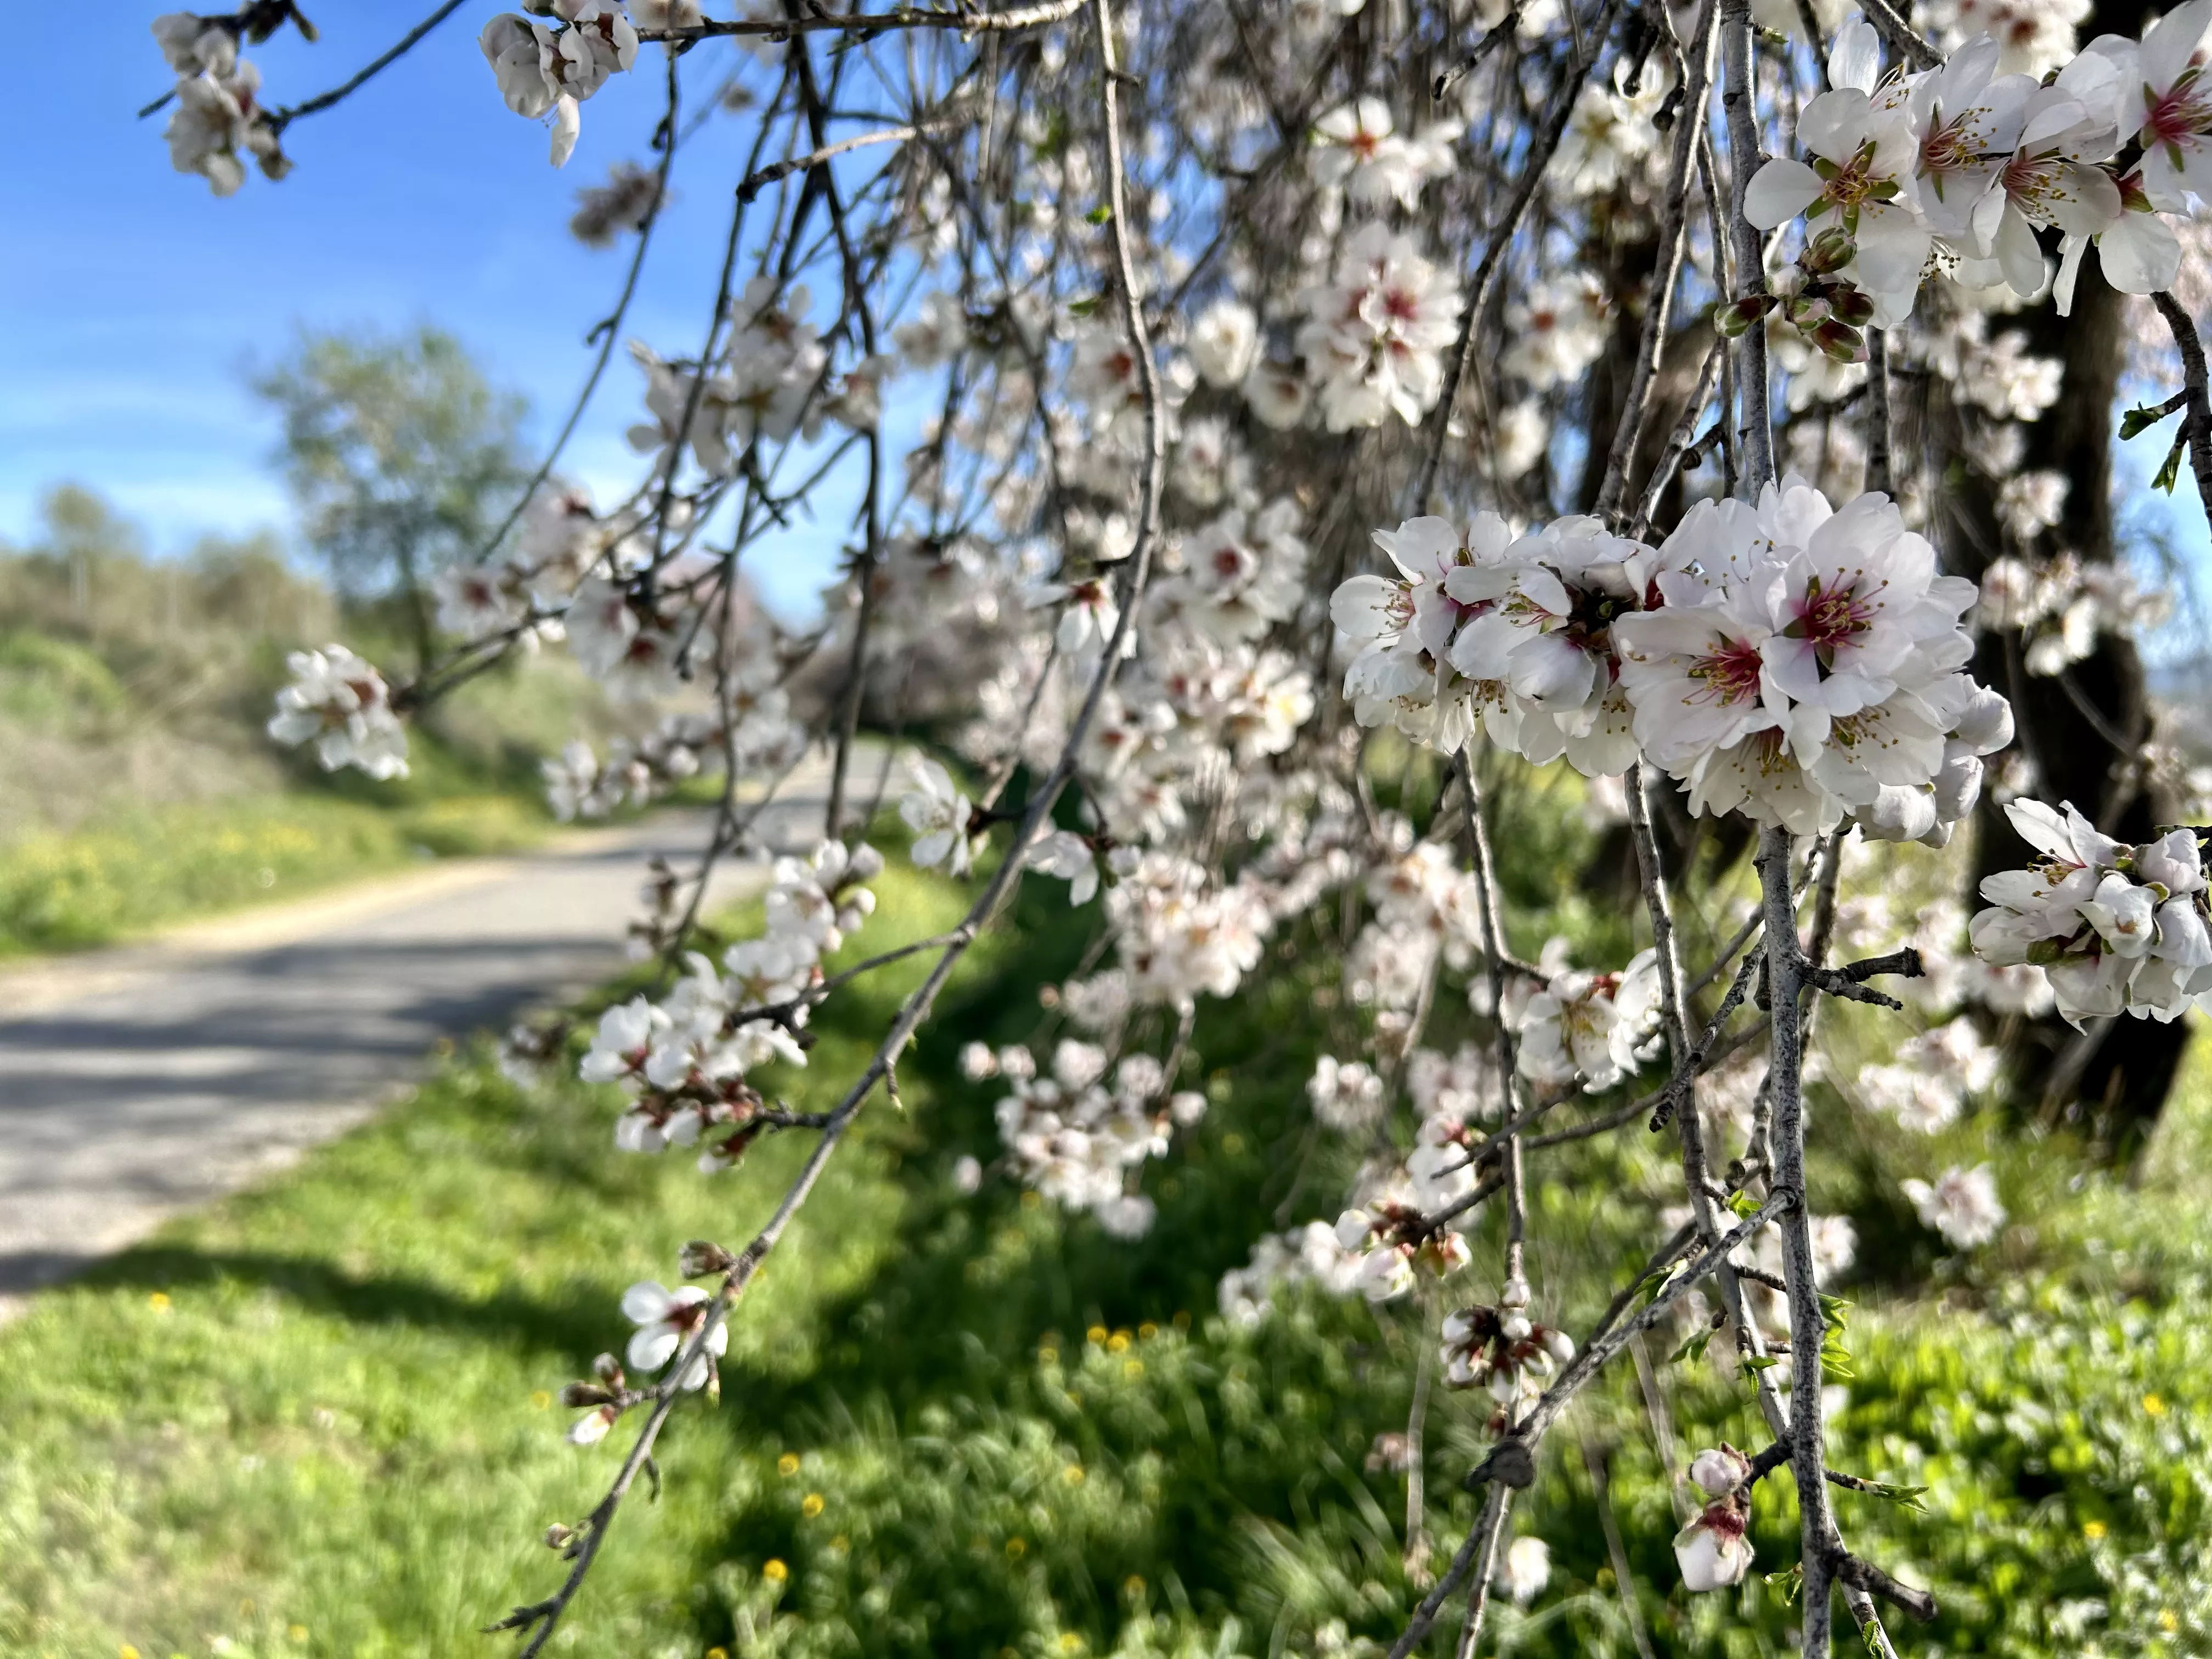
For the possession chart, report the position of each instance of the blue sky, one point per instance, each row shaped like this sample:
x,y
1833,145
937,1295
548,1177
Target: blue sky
x,y
135,300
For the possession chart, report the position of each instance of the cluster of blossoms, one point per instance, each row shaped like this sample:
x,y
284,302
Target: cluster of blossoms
x,y
532,575
1961,1204
1611,137
339,703
1347,1095
218,116
1180,933
1502,1350
1375,334
1713,1551
1075,1137
1969,162
1576,1025
1358,149
1307,1254
2062,606
2115,928
682,1061
1927,1084
765,385
1390,1234
1791,660
547,70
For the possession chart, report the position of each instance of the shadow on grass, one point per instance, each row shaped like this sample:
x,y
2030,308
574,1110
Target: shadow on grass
x,y
564,1322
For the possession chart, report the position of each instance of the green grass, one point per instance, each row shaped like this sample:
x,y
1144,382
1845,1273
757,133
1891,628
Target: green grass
x,y
318,1419
144,869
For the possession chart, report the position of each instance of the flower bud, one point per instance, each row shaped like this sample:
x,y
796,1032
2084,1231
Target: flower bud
x,y
1808,311
1831,251
607,1370
1734,318
1850,305
1843,344
1720,1470
591,1428
557,1536
585,1393
700,1257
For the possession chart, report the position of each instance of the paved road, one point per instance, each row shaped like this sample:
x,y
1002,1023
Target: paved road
x,y
138,1082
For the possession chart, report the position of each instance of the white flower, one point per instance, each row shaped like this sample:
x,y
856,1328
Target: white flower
x,y
1588,1025
1524,1570
1066,855
193,44
1224,339
1519,439
665,1320
1556,332
1968,118
627,1035
1870,154
938,333
939,814
1962,1204
1357,147
1089,614
1244,572
339,701
2033,36
1278,395
525,62
2116,929
1608,135
1346,1096
216,117
1372,336
1713,1551
2163,104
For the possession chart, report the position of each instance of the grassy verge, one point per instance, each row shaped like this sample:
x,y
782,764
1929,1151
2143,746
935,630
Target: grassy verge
x,y
155,866
318,1418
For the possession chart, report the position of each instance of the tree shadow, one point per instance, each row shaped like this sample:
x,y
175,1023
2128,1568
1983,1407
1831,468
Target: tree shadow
x,y
569,1318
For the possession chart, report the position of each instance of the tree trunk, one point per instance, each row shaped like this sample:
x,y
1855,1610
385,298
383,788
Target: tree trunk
x,y
2082,731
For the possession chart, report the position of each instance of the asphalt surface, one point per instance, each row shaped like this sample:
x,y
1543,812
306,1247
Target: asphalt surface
x,y
138,1082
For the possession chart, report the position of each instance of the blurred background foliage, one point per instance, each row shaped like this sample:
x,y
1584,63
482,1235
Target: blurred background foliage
x,y
134,688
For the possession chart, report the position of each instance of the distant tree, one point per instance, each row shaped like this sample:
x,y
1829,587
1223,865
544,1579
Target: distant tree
x,y
400,455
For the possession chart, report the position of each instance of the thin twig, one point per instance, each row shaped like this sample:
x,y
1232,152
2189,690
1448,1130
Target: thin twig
x,y
284,117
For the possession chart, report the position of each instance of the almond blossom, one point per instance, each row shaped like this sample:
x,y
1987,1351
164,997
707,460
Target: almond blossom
x,y
1373,337
340,703
1961,1204
1713,1551
2115,928
939,814
1357,147
665,1320
1224,342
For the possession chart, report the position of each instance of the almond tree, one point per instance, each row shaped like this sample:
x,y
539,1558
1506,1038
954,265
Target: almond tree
x,y
1260,353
